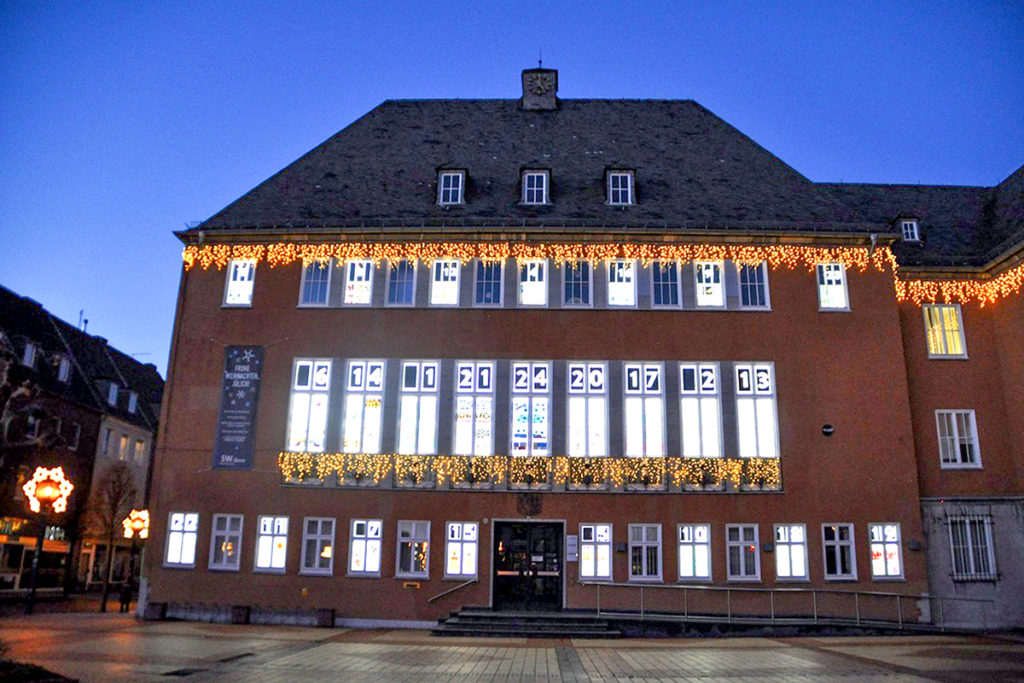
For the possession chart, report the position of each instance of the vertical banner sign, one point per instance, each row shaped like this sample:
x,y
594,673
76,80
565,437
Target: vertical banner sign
x,y
239,396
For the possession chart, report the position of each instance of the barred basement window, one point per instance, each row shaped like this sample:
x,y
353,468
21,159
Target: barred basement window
x,y
401,283
665,284
791,551
838,546
694,552
942,324
533,282
710,286
182,530
271,543
621,282
489,283
645,552
226,543
644,409
596,552
588,409
700,410
317,546
240,276
364,548
474,408
307,420
535,187
444,283
970,540
832,287
358,282
363,406
958,439
531,403
417,416
743,558
577,283
316,282
449,187
886,553
413,550
461,550
754,286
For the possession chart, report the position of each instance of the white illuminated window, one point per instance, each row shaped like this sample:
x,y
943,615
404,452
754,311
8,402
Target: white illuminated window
x,y
364,396
226,543
317,546
413,559
182,531
401,283
533,282
474,408
133,401
316,282
64,371
489,285
449,187
908,228
645,552
942,324
621,282
588,409
743,559
694,552
838,546
665,284
444,283
417,408
753,285
307,418
461,550
364,547
886,553
531,403
790,551
112,392
756,421
644,409
620,188
238,288
958,439
122,450
578,283
700,410
596,552
832,287
271,543
970,541
535,187
709,279
358,282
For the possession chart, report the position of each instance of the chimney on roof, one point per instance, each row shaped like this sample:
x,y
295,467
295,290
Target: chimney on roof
x,y
539,88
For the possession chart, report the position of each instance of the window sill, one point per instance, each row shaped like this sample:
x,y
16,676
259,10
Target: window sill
x,y
847,309
267,570
236,305
362,575
323,305
178,566
310,572
645,579
743,579
412,577
228,570
944,356
959,466
889,579
688,581
786,579
841,579
459,579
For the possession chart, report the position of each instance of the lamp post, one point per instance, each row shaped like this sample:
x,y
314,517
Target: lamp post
x,y
136,527
47,491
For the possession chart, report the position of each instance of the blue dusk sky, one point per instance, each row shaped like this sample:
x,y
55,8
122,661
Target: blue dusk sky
x,y
122,122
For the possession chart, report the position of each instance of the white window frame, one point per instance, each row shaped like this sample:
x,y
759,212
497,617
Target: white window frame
x,y
418,407
133,402
938,339
755,396
445,279
536,391
238,290
276,535
182,534
393,267
675,288
837,546
530,194
882,544
226,535
831,287
303,397
910,230
644,543
622,275
307,268
540,268
786,547
64,370
362,422
417,533
323,540
954,442
700,410
972,547
761,268
586,386
372,536
454,193
709,293
475,383
358,283
651,418
112,393
28,357
689,547
485,265
458,541
573,267
615,190
739,543
592,548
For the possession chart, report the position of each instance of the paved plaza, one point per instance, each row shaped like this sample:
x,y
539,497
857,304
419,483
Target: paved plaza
x,y
112,647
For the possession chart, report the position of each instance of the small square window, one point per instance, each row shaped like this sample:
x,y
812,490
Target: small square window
x,y
944,328
535,187
620,188
449,187
909,230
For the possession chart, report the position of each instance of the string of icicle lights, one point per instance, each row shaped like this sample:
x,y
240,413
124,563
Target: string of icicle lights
x,y
919,291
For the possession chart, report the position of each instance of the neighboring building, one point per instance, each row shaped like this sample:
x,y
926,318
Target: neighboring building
x,y
490,352
75,402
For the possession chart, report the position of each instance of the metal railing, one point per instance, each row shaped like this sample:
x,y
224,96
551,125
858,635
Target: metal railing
x,y
811,613
452,590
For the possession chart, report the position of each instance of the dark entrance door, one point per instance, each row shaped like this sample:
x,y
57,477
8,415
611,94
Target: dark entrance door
x,y
527,566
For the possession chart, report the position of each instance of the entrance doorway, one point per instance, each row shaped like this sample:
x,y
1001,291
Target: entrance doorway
x,y
528,566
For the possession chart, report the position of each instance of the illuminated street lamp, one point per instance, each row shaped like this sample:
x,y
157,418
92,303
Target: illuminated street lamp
x,y
136,527
47,492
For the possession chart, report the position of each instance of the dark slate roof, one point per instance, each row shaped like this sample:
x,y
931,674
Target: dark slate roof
x,y
23,320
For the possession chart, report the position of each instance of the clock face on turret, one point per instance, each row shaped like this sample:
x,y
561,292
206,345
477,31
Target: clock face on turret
x,y
541,84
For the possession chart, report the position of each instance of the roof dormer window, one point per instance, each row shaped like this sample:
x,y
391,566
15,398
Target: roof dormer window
x,y
535,187
450,186
64,370
909,229
112,394
133,401
620,188
28,358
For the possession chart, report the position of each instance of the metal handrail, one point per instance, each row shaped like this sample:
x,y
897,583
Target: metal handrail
x,y
452,590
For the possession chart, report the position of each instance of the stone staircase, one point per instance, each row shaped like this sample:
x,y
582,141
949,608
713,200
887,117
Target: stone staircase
x,y
481,621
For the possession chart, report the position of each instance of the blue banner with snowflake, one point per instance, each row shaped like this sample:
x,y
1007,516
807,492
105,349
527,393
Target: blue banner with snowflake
x,y
239,396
